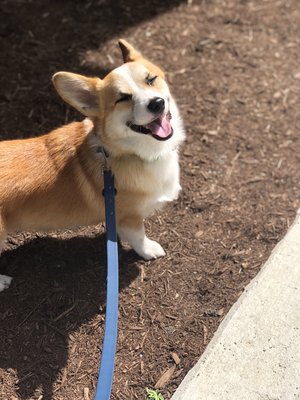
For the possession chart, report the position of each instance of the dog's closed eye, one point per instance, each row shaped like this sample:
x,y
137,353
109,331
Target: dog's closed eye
x,y
150,80
124,97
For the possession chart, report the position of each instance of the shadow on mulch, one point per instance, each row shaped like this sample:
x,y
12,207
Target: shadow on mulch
x,y
38,39
58,285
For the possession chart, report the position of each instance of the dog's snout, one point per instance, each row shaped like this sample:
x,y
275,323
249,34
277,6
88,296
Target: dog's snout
x,y
156,105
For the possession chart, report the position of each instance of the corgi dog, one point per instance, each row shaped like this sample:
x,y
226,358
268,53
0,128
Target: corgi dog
x,y
132,124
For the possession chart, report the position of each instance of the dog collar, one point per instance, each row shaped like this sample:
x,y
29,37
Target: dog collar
x,y
101,150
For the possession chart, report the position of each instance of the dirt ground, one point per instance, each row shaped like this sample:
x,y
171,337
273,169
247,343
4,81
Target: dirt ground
x,y
234,67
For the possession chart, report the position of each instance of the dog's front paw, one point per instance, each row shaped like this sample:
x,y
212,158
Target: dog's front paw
x,y
151,249
143,246
5,281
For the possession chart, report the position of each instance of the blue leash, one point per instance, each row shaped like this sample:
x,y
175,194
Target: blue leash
x,y
106,373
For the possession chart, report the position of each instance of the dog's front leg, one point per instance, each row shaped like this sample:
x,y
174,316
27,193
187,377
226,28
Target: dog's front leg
x,y
131,229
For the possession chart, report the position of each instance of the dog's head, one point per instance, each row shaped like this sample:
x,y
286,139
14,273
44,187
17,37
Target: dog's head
x,y
132,108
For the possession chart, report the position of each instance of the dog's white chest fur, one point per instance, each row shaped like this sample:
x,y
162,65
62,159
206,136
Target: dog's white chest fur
x,y
148,184
166,171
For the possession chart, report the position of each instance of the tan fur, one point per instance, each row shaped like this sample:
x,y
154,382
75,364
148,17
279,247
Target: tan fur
x,y
50,182
54,181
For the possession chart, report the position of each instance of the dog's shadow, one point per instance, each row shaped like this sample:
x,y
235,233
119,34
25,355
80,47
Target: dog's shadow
x,y
58,286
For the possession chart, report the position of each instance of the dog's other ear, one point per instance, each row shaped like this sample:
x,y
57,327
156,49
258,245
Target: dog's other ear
x,y
128,52
79,91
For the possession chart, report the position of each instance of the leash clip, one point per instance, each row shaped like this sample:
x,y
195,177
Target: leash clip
x,y
105,157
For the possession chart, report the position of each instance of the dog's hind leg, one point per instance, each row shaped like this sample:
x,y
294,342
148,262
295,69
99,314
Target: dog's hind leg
x,y
5,280
3,232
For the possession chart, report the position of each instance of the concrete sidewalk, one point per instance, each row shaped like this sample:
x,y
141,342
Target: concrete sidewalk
x,y
255,354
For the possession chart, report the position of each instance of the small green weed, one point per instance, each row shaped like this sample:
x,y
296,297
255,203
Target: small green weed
x,y
153,395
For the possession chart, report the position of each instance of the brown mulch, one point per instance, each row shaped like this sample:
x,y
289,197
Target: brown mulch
x,y
234,67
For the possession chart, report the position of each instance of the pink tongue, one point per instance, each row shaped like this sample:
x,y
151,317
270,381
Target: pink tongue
x,y
161,127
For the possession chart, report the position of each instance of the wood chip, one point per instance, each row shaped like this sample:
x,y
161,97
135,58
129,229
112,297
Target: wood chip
x,y
136,328
177,373
175,358
86,394
297,75
205,334
220,312
165,378
142,270
65,313
198,234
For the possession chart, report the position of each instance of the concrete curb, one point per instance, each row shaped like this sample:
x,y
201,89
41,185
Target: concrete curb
x,y
255,353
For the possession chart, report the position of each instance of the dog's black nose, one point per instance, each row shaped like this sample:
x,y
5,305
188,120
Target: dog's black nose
x,y
156,105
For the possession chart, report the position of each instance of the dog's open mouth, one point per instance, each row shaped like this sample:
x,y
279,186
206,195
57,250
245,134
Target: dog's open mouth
x,y
160,128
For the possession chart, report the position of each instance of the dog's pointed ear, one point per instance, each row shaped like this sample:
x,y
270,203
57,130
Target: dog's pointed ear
x,y
79,91
128,52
